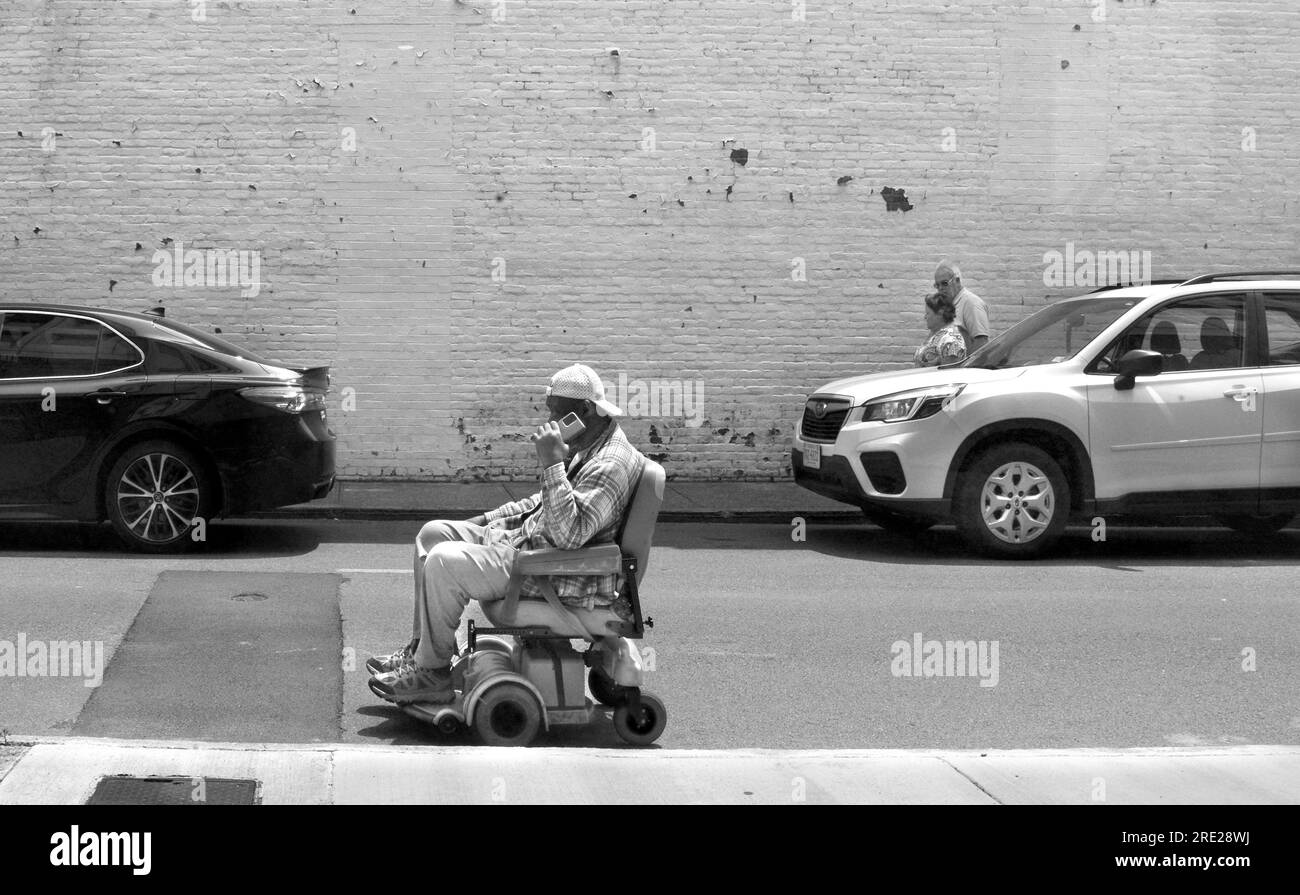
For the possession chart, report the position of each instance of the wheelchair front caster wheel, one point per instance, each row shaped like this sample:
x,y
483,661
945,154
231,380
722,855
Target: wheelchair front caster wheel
x,y
646,726
448,725
508,715
604,689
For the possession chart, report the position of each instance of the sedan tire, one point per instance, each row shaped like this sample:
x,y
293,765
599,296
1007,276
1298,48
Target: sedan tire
x,y
155,493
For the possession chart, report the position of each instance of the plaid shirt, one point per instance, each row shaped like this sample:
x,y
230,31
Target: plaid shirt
x,y
578,513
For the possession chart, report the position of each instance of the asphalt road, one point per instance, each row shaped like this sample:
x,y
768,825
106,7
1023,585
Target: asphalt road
x,y
1151,638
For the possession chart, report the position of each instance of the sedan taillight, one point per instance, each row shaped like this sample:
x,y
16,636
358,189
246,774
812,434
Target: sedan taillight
x,y
288,398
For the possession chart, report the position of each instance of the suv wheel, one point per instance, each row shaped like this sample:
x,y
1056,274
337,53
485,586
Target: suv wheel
x,y
1012,501
154,493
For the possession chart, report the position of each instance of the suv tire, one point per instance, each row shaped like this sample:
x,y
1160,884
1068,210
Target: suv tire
x,y
1012,501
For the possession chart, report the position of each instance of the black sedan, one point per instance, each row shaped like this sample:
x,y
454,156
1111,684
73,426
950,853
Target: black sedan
x,y
152,425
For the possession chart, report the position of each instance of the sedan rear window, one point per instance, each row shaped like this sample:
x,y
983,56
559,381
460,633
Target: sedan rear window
x,y
115,353
188,335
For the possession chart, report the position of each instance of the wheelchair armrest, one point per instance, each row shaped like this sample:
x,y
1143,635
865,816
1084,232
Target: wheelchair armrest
x,y
604,559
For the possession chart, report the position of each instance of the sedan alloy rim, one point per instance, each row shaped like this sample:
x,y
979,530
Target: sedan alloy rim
x,y
1018,502
158,497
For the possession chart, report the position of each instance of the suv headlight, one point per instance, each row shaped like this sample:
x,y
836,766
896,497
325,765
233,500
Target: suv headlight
x,y
916,404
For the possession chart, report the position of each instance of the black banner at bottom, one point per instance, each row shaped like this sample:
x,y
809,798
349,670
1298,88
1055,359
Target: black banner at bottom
x,y
441,844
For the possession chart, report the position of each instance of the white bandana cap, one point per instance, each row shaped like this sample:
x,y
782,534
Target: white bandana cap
x,y
581,382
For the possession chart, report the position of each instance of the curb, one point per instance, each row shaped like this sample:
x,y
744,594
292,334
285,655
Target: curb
x,y
57,770
820,517
363,514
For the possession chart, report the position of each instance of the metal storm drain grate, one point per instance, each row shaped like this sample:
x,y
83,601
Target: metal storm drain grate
x,y
173,791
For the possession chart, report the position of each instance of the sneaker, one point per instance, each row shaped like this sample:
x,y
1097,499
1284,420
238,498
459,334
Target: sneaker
x,y
378,665
415,684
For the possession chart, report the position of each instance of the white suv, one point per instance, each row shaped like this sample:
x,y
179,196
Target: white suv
x,y
1154,401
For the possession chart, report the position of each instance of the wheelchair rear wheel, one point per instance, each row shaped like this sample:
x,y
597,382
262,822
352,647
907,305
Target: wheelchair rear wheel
x,y
508,715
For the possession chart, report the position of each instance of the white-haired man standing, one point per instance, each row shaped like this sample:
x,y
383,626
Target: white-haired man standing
x,y
972,314
586,487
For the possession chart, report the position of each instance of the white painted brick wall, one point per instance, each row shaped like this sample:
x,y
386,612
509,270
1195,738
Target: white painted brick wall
x,y
482,136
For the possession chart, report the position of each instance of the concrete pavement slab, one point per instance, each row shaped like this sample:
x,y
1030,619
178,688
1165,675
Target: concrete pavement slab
x,y
67,599
226,656
66,773
473,775
1250,775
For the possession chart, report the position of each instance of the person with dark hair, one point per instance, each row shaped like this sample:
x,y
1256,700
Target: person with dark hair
x,y
945,345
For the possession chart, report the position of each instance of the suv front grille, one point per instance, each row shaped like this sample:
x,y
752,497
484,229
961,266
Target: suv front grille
x,y
826,427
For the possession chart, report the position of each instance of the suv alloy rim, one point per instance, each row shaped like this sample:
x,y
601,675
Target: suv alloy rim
x,y
158,497
1017,503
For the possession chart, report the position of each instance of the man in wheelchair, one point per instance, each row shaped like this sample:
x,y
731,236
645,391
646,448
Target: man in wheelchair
x,y
586,486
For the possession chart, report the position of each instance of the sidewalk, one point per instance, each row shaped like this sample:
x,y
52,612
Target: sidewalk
x,y
683,501
762,502
66,772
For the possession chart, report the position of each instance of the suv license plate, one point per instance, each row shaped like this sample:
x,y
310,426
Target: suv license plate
x,y
812,456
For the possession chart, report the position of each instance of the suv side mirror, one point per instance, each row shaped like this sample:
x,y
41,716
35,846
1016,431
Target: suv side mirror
x,y
1135,363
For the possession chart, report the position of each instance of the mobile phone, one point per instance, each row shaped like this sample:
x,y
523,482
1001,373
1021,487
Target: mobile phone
x,y
571,427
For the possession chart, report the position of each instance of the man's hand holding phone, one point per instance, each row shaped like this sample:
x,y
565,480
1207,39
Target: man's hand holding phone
x,y
557,451
550,445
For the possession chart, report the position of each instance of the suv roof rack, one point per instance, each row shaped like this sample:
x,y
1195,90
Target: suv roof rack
x,y
1128,285
1248,274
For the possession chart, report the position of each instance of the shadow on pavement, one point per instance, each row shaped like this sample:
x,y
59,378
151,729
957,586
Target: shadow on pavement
x,y
243,539
1123,545
393,727
1145,544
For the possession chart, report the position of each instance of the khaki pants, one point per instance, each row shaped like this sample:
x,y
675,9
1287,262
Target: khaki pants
x,y
454,563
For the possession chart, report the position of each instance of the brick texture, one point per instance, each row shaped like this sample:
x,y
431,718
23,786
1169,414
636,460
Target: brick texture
x,y
450,200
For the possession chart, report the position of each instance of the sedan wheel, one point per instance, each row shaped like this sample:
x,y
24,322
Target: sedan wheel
x,y
155,493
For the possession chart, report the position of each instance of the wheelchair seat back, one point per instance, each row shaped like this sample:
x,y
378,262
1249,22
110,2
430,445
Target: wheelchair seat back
x,y
639,520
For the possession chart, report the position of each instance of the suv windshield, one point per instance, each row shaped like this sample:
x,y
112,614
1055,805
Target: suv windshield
x,y
1052,334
